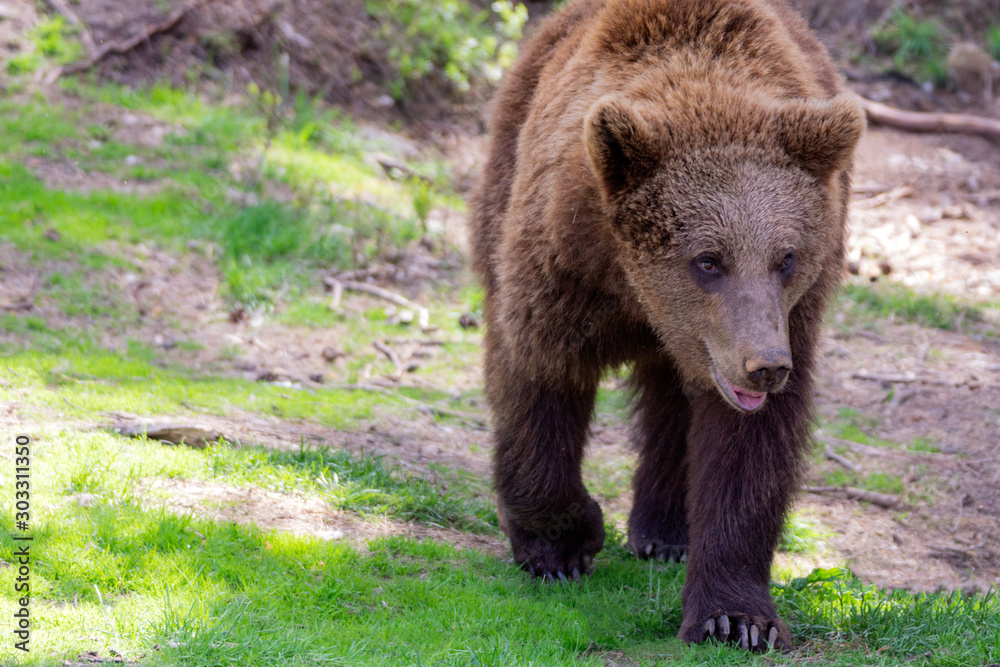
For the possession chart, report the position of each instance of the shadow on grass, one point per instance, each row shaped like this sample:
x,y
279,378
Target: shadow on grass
x,y
223,594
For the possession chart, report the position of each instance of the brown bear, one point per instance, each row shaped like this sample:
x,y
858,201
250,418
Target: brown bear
x,y
667,191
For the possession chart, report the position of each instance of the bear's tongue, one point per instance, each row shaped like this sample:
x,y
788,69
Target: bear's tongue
x,y
748,400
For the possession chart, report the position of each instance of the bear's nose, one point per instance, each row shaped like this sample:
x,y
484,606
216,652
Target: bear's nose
x,y
768,369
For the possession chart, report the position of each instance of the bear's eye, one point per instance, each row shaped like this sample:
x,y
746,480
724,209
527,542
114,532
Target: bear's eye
x,y
708,265
786,270
788,262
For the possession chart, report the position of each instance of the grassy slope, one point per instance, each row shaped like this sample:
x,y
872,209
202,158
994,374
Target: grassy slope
x,y
114,571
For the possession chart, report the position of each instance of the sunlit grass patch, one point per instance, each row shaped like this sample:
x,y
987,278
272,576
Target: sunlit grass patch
x,y
801,535
96,381
116,572
880,482
855,426
84,221
894,302
838,611
366,485
52,39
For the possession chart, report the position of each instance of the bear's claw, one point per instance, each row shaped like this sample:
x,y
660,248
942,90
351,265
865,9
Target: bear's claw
x,y
748,633
662,551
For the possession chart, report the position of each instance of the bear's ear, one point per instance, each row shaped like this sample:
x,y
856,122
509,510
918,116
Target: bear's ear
x,y
619,144
821,136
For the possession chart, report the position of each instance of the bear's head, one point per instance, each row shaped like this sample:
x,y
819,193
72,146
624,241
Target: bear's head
x,y
725,213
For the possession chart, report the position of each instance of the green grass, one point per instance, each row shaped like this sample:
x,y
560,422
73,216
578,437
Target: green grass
x,y
51,40
918,48
993,41
801,535
364,485
447,43
896,303
879,482
850,424
81,380
213,177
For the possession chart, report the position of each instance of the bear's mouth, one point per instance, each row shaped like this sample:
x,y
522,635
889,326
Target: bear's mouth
x,y
747,401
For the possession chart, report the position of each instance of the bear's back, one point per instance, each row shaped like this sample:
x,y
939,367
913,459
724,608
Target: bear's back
x,y
644,49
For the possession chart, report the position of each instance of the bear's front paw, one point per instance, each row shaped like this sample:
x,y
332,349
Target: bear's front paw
x,y
563,550
752,632
648,549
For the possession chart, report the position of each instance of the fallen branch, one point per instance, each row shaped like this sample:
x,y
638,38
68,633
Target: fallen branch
x,y
834,456
881,499
338,294
933,382
123,47
856,447
390,164
952,553
470,420
393,357
174,434
884,198
916,121
423,315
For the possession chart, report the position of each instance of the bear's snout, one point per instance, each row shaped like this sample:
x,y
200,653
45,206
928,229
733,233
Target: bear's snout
x,y
768,370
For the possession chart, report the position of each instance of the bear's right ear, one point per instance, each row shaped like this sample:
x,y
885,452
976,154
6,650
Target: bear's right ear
x,y
619,145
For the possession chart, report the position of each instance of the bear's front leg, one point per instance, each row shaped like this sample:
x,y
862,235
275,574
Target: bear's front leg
x,y
554,526
743,473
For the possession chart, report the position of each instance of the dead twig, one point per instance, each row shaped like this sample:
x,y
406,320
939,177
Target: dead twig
x,y
338,295
881,499
414,341
397,375
423,315
470,420
951,553
390,164
834,456
896,378
856,447
915,121
363,387
359,274
884,198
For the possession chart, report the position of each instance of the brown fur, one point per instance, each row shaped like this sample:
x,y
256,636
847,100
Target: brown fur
x,y
667,188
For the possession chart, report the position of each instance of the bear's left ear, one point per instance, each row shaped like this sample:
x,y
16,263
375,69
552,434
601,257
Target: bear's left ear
x,y
820,136
619,144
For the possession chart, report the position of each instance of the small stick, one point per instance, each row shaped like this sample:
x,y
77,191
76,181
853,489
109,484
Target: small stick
x,y
423,315
393,357
856,447
338,294
884,198
415,341
834,456
880,499
933,382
